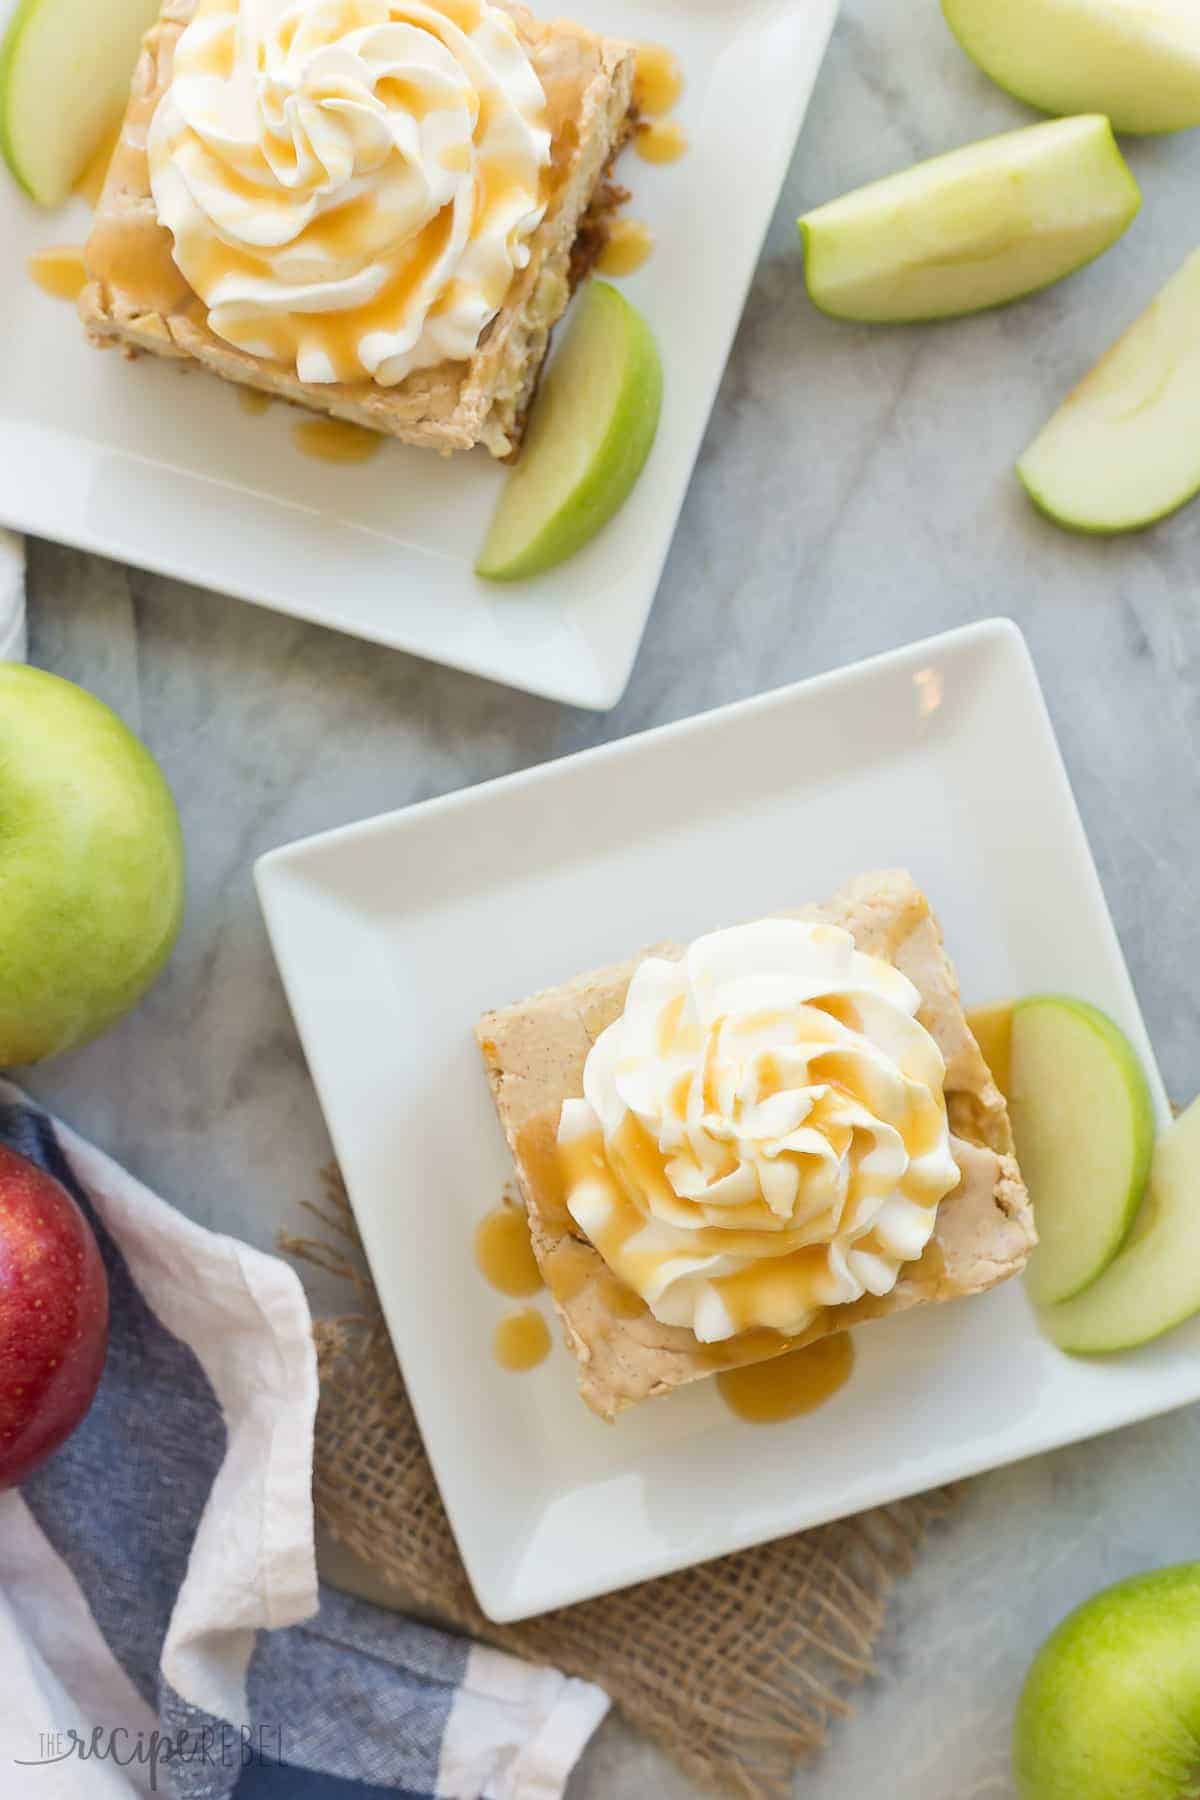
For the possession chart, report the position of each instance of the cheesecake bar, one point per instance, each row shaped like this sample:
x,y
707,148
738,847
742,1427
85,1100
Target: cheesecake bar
x,y
137,297
534,1054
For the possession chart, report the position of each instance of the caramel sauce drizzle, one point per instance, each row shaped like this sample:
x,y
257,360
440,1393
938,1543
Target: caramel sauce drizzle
x,y
504,1253
521,1341
662,141
765,1393
336,440
991,1027
59,271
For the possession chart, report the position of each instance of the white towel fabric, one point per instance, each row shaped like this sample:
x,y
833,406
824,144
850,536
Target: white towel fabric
x,y
12,598
158,1574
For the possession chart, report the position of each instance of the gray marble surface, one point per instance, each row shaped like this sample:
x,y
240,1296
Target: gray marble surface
x,y
854,492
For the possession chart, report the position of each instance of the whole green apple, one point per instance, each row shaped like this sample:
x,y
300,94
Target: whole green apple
x,y
1111,1707
91,866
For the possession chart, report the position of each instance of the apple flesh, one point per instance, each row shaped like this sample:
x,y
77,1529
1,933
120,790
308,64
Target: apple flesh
x,y
53,1316
1083,1122
1123,451
91,866
1110,1709
1138,64
977,228
592,427
65,68
1154,1284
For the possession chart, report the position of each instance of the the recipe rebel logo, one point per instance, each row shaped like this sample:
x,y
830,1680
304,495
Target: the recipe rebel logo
x,y
212,1746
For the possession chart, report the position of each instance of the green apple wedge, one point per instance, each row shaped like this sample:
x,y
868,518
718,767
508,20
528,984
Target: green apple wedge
x,y
65,68
1083,1122
592,427
976,228
1110,1709
91,866
1154,1284
1122,451
1137,63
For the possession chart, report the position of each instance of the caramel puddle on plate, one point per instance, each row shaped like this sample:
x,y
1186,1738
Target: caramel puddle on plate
x,y
59,270
521,1340
663,142
252,401
629,244
767,1392
335,440
991,1027
91,182
657,79
504,1253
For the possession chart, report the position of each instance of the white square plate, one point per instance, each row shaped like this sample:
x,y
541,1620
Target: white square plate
x,y
130,460
395,935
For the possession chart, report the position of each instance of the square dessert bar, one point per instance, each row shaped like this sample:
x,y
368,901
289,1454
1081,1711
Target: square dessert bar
x,y
534,1054
136,297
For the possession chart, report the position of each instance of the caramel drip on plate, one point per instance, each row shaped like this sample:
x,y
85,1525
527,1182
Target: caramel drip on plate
x,y
252,401
504,1253
335,440
991,1027
629,245
657,80
59,271
521,1340
664,141
766,1393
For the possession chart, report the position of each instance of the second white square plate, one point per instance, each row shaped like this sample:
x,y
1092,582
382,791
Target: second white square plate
x,y
138,463
393,936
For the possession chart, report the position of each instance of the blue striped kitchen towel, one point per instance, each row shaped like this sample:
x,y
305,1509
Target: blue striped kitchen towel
x,y
162,1629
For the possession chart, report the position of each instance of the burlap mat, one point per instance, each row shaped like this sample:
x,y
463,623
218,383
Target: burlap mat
x,y
736,1668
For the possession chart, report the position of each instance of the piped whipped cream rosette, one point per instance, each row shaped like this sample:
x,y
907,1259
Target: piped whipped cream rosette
x,y
763,1132
350,185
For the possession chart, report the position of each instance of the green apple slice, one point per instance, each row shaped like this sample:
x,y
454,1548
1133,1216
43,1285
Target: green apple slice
x,y
65,67
1154,1284
592,427
1083,1122
1138,63
979,227
1123,450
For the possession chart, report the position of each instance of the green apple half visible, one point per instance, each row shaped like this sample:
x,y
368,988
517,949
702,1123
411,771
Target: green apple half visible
x,y
973,229
1083,1122
65,68
1123,450
592,427
1110,1709
91,866
1154,1284
1137,63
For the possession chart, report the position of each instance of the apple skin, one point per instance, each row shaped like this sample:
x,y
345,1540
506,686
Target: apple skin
x,y
91,866
973,228
594,422
53,1316
1073,56
1110,1709
1120,453
65,68
1153,1285
1084,1125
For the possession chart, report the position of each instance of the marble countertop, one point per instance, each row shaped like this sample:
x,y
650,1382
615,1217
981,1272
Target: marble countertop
x,y
854,492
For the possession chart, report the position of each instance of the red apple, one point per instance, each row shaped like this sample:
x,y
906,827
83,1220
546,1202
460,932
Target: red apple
x,y
53,1316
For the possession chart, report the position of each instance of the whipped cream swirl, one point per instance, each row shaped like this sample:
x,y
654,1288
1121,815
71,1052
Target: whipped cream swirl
x,y
763,1132
350,184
